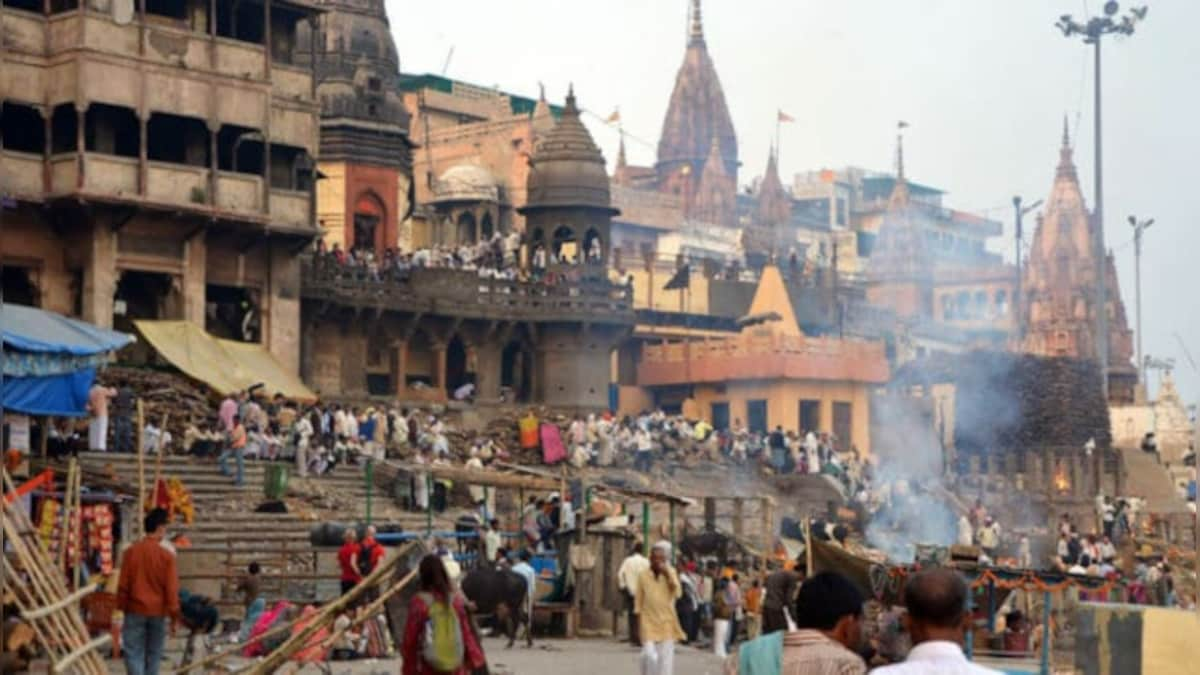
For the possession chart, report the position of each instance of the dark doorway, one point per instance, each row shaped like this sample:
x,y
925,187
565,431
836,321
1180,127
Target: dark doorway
x,y
143,295
810,416
364,231
19,288
720,416
756,416
456,365
231,313
516,371
843,420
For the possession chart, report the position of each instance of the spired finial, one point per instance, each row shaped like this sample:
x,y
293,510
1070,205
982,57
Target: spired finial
x,y
696,31
571,107
900,127
1066,139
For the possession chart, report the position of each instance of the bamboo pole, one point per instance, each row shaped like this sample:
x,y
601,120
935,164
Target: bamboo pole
x,y
808,546
298,640
141,462
158,461
77,525
368,613
44,586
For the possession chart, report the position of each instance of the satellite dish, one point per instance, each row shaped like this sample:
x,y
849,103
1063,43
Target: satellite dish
x,y
122,11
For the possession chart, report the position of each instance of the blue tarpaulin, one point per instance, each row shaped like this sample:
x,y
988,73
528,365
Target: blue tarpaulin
x,y
50,360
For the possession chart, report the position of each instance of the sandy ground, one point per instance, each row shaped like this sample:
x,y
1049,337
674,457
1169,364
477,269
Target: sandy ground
x,y
572,657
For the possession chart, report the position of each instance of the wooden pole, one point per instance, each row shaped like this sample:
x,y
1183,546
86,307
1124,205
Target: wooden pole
x,y
808,546
141,462
77,523
46,422
158,461
271,662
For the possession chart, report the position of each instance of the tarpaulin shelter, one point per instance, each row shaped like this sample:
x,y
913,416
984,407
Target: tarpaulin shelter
x,y
50,360
224,365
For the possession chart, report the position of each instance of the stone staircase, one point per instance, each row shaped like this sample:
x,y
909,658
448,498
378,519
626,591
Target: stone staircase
x,y
227,533
1144,476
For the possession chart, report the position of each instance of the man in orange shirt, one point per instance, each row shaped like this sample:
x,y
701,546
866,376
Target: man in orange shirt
x,y
148,594
237,448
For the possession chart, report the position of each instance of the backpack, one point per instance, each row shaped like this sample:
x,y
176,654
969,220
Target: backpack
x,y
364,559
442,644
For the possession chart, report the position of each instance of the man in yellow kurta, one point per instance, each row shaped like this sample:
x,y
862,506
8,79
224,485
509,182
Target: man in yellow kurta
x,y
657,590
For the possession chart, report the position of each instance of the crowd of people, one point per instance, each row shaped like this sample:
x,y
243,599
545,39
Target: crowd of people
x,y
793,625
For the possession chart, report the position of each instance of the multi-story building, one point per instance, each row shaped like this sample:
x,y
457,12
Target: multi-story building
x,y
157,162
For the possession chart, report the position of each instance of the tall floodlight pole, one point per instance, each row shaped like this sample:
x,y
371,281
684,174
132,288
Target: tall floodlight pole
x,y
1018,237
1139,226
1095,28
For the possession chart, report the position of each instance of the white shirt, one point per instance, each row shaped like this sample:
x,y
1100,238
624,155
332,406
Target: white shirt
x,y
935,658
631,568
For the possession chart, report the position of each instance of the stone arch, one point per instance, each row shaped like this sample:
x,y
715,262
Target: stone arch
x,y
516,369
486,226
458,367
465,228
366,231
593,246
563,236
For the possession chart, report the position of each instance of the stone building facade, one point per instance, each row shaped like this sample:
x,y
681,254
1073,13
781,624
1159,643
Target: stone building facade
x,y
364,195
1058,306
156,161
548,337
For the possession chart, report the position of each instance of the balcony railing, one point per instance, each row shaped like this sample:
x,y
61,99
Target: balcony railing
x,y
465,293
20,173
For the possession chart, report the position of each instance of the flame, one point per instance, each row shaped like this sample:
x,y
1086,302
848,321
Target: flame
x,y
1061,482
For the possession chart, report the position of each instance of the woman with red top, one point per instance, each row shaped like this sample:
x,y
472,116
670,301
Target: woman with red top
x,y
434,582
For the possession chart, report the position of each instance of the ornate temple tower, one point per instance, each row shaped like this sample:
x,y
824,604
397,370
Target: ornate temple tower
x,y
697,117
365,155
1058,312
716,193
900,276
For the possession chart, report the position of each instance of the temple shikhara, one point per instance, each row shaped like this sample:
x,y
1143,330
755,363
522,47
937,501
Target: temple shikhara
x,y
1059,310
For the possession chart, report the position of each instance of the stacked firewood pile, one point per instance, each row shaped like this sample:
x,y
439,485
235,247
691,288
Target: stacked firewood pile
x,y
1010,401
165,393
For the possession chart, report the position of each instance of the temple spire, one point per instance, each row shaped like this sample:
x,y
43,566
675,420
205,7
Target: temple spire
x,y
1066,155
621,163
696,29
899,197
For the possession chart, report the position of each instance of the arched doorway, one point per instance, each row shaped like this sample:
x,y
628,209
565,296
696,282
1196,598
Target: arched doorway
x,y
465,229
369,217
563,246
593,246
486,229
457,373
516,371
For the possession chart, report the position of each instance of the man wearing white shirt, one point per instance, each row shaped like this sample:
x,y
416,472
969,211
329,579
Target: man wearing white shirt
x,y
937,621
627,580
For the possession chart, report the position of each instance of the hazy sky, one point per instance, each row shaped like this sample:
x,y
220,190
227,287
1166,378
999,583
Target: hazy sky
x,y
984,85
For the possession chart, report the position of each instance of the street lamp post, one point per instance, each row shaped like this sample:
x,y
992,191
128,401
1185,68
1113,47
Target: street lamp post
x,y
1139,226
1095,28
1019,323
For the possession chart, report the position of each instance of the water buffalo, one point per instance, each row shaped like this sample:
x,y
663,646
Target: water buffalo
x,y
500,593
710,543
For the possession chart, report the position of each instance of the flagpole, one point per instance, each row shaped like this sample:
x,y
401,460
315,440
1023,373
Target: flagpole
x,y
778,123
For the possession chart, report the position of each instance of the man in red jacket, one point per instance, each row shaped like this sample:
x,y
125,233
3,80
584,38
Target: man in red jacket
x,y
148,594
348,560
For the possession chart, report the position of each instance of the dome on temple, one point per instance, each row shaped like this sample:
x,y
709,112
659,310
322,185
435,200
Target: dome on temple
x,y
567,168
466,183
